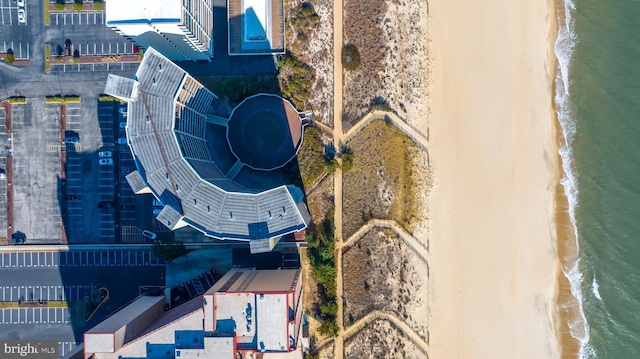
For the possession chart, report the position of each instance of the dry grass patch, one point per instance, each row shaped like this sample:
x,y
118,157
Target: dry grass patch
x,y
320,200
392,41
381,272
310,39
387,179
381,339
362,29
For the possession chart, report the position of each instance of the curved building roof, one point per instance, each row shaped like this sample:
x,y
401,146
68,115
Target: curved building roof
x,y
168,112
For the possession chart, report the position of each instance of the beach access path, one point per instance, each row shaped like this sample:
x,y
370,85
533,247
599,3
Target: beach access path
x,y
493,153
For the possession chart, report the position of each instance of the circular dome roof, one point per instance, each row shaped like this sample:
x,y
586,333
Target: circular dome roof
x,y
264,132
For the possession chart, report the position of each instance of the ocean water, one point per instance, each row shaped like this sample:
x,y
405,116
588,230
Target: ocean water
x,y
598,103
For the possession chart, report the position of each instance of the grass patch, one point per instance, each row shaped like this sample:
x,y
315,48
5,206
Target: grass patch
x,y
382,183
310,157
296,79
53,99
46,12
47,58
237,88
17,99
106,98
72,99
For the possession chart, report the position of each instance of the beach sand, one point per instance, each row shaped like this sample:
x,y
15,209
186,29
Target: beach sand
x,y
493,261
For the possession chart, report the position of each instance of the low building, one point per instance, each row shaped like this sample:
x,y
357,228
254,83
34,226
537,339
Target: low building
x,y
248,313
179,29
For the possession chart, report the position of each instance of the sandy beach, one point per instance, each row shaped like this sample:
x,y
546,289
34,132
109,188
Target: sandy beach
x,y
493,261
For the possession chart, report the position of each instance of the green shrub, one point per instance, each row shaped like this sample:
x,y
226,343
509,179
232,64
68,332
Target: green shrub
x,y
350,57
17,99
296,79
72,99
53,99
305,16
329,327
58,6
10,58
77,6
98,5
104,98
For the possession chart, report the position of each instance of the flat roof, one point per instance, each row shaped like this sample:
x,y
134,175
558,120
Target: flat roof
x,y
256,27
166,127
143,11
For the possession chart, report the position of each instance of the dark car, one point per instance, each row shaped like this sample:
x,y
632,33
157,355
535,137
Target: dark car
x,y
105,204
73,197
128,207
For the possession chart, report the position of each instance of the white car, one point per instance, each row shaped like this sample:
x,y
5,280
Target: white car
x,y
149,234
20,3
105,161
22,16
122,141
104,154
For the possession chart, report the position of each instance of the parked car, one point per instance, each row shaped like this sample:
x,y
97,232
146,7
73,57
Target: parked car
x,y
123,124
21,3
105,204
70,140
104,154
128,207
122,141
157,203
73,197
105,161
22,16
123,111
149,234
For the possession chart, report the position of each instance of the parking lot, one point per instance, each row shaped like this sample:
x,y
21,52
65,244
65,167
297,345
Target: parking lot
x,y
36,172
74,277
9,13
14,35
109,258
36,293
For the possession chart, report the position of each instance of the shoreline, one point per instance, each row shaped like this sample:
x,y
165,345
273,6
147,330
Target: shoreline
x,y
494,227
567,308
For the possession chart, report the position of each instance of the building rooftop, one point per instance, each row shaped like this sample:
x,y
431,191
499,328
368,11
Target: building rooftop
x,y
168,114
256,27
142,11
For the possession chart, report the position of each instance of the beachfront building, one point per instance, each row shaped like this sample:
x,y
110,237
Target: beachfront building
x,y
215,173
256,27
248,313
179,29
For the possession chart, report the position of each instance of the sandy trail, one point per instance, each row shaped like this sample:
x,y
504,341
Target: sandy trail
x,y
492,237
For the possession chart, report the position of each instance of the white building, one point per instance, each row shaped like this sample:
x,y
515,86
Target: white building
x,y
247,314
179,29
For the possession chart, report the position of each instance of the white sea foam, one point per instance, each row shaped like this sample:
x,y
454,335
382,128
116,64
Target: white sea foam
x,y
594,288
564,47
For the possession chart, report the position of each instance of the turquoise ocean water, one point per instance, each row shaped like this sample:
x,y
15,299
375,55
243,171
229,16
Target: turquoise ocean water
x,y
598,101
